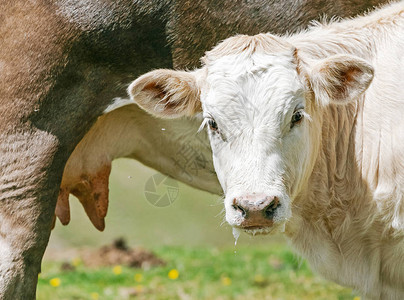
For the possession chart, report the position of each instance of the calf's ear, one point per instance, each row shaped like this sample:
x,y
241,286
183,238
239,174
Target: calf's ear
x,y
167,93
340,79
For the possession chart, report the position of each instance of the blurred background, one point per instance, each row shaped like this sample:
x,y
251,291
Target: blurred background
x,y
195,218
178,248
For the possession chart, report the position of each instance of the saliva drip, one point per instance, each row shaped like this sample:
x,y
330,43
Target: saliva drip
x,y
236,234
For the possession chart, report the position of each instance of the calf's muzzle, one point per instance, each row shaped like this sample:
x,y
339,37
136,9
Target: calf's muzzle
x,y
256,211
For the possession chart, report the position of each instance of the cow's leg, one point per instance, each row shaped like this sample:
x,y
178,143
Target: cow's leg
x,y
29,183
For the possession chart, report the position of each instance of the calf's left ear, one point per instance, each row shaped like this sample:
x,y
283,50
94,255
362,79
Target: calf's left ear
x,y
167,93
340,79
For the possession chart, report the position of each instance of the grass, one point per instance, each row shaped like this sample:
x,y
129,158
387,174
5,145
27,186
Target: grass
x,y
203,273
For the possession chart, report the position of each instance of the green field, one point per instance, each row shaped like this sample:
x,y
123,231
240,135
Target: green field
x,y
189,236
203,273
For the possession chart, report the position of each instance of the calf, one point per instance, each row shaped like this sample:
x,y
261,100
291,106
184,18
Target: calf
x,y
307,137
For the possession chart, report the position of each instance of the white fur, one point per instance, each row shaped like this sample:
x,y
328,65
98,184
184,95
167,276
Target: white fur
x,y
117,103
341,175
248,97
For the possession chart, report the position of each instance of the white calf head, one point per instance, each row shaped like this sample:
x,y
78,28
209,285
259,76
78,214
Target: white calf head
x,y
257,101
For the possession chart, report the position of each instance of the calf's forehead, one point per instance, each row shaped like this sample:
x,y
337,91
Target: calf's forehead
x,y
261,82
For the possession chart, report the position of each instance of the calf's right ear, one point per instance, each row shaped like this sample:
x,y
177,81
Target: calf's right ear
x,y
167,93
340,79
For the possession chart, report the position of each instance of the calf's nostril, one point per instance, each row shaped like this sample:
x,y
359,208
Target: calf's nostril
x,y
240,209
269,211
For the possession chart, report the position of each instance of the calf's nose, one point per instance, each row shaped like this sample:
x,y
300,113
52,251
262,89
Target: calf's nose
x,y
256,210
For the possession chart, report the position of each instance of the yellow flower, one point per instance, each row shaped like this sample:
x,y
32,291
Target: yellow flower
x,y
55,282
117,270
39,275
76,261
357,298
138,289
173,274
226,281
138,277
259,278
95,296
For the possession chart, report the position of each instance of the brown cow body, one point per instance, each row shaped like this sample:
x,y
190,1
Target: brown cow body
x,y
62,63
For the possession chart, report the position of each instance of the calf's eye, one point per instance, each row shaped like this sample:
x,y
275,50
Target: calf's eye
x,y
296,118
213,125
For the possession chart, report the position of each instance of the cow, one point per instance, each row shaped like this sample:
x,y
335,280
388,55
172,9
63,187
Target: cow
x,y
62,63
307,140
